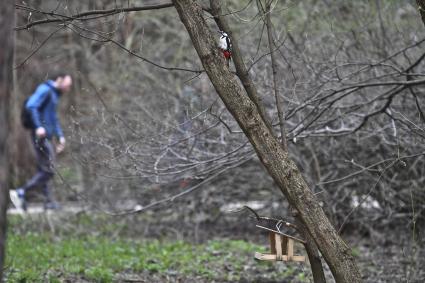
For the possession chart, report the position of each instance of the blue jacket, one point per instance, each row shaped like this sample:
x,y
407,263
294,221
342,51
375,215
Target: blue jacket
x,y
45,117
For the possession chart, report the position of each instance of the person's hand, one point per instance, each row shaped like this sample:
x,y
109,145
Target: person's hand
x,y
61,146
40,132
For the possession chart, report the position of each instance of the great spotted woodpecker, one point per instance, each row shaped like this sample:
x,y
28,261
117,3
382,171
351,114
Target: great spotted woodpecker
x,y
225,46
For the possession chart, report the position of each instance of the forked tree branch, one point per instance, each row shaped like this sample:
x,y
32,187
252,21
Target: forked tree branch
x,y
241,71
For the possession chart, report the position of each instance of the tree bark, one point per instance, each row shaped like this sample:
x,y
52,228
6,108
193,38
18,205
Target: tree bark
x,y
7,23
275,159
421,8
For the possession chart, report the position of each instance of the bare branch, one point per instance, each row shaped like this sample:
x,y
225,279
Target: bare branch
x,y
82,15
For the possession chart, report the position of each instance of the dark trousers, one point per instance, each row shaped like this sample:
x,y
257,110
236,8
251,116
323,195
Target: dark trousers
x,y
45,161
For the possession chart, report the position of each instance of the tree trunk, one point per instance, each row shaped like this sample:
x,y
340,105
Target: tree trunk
x,y
7,22
312,251
275,159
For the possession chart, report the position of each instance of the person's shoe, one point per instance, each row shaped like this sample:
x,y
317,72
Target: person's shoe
x,y
18,199
52,205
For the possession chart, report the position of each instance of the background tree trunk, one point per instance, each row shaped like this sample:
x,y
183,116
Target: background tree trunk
x,y
7,23
275,159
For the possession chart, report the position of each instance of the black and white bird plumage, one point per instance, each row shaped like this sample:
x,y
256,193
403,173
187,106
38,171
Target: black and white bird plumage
x,y
225,46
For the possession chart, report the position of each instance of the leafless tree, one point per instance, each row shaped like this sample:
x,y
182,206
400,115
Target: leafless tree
x,y
268,148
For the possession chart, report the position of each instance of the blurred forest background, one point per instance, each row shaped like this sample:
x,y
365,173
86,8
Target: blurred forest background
x,y
144,126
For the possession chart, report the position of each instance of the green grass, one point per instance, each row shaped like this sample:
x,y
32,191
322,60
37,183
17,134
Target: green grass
x,y
34,257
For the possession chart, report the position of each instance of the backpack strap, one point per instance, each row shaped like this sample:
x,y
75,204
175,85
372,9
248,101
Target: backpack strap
x,y
50,86
47,99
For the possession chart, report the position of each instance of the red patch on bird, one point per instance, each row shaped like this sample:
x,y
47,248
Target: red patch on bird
x,y
227,54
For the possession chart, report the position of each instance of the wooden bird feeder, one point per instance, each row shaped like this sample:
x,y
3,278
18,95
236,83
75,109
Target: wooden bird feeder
x,y
281,246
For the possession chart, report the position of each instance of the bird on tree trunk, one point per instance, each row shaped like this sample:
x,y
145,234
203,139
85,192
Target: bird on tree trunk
x,y
225,46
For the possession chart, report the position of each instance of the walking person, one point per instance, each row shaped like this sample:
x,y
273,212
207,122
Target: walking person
x,y
40,117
